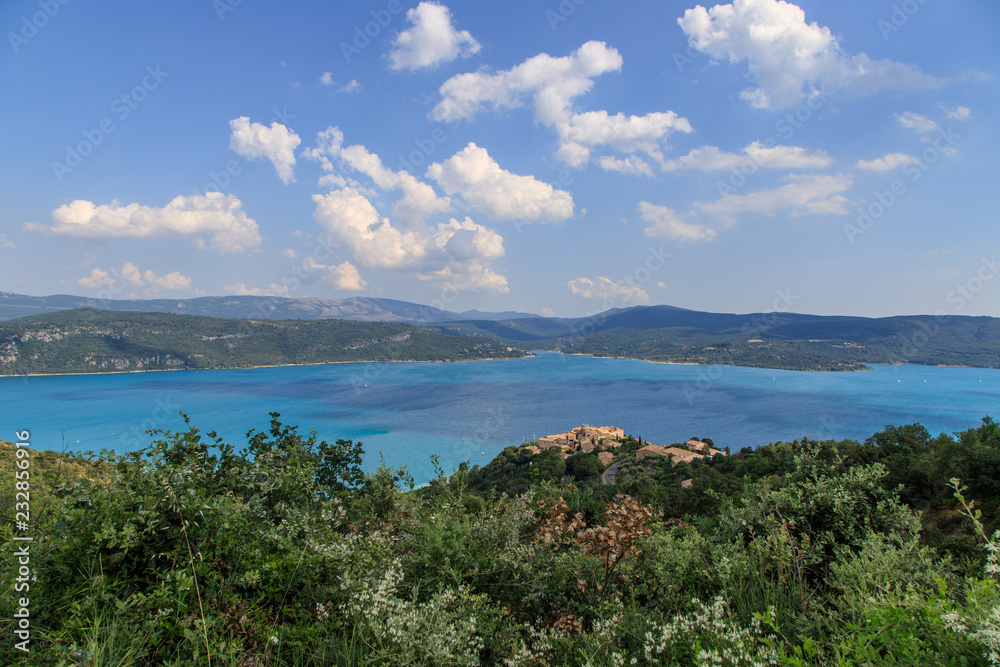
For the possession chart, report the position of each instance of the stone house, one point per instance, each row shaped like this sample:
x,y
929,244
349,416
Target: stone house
x,y
701,447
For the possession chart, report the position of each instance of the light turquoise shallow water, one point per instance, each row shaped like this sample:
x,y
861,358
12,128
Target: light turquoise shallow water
x,y
469,411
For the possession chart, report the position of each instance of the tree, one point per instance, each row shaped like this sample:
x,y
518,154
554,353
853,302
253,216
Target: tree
x,y
547,466
584,468
336,468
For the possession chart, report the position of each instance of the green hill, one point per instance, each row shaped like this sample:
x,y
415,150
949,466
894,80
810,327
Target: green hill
x,y
770,340
95,341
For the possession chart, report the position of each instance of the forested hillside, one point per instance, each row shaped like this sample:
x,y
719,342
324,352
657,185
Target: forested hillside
x,y
950,348
94,341
789,341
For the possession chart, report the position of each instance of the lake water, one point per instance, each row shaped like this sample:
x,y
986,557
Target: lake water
x,y
470,411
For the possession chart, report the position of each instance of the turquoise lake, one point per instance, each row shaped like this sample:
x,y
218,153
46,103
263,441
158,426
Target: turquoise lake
x,y
470,411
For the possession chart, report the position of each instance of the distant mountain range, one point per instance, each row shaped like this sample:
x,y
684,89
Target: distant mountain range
x,y
359,309
655,333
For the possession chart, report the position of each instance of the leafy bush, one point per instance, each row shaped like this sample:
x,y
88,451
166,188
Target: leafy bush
x,y
288,553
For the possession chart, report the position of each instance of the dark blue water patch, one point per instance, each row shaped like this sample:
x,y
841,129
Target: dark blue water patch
x,y
307,389
406,398
340,416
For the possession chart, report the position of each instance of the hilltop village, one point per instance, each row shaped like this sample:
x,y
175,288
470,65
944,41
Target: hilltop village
x,y
605,441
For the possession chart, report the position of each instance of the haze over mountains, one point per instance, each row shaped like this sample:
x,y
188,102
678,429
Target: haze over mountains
x,y
360,309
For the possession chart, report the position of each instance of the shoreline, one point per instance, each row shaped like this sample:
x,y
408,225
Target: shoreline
x,y
763,368
244,368
530,354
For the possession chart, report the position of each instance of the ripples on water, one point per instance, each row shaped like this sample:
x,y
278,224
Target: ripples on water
x,y
470,411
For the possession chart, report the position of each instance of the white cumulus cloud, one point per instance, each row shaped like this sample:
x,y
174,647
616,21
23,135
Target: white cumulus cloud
x,y
666,222
98,278
632,165
129,275
241,289
787,58
172,280
431,40
455,252
215,214
458,253
552,84
787,157
887,162
476,177
755,155
958,113
419,199
276,143
608,291
329,142
815,194
916,122
343,276
628,134
351,86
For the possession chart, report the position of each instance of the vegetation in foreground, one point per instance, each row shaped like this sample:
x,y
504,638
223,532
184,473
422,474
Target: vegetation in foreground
x,y
288,553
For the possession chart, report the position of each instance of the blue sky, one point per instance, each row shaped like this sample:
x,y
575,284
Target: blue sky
x,y
550,157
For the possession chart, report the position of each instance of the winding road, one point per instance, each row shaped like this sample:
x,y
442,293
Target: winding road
x,y
610,475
